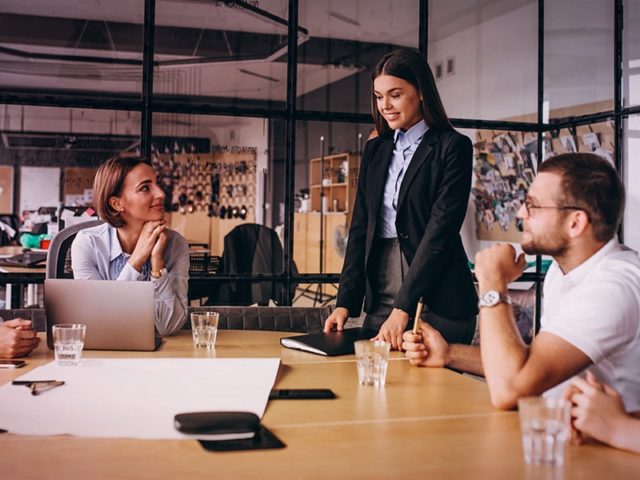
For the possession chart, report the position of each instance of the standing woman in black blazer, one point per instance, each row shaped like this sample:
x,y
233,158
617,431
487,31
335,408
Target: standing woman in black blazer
x,y
413,191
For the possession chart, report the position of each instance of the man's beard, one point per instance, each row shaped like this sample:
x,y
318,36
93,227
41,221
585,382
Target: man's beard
x,y
553,246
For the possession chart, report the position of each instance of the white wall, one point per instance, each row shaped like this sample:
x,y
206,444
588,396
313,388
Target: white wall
x,y
253,132
67,120
495,67
496,61
632,184
579,52
496,71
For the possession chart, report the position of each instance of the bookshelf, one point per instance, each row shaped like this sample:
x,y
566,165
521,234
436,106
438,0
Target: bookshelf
x,y
336,178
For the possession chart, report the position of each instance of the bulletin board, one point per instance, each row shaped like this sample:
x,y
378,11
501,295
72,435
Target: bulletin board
x,y
504,167
598,138
78,185
505,164
39,187
6,189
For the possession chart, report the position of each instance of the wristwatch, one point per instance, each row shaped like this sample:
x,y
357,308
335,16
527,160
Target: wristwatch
x,y
159,274
491,298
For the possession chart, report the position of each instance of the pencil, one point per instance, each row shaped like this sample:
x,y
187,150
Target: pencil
x,y
416,320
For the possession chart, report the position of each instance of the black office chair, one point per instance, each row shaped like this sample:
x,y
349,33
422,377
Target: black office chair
x,y
59,256
251,249
10,220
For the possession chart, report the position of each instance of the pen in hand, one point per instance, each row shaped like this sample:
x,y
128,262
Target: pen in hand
x,y
416,320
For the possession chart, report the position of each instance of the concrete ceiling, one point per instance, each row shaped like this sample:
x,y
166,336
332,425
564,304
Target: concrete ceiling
x,y
220,50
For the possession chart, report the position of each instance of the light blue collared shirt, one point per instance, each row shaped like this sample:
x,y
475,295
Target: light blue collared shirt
x,y
405,146
96,254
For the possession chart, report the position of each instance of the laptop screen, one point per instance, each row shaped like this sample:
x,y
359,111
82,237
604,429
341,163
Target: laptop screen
x,y
119,315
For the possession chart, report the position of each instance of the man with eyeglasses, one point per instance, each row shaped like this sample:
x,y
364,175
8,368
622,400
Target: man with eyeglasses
x,y
591,303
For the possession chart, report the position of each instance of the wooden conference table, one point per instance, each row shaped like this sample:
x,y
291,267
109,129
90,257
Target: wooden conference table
x,y
426,423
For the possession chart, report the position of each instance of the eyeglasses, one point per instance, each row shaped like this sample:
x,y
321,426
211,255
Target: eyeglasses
x,y
528,206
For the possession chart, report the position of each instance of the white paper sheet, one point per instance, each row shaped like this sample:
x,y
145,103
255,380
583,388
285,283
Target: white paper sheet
x,y
135,398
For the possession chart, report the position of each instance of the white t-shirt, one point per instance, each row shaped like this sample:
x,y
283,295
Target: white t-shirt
x,y
596,308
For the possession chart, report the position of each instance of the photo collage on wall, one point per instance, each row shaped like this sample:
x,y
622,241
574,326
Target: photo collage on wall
x,y
505,164
504,168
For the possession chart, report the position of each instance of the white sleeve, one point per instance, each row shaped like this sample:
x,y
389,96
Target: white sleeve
x,y
171,290
83,259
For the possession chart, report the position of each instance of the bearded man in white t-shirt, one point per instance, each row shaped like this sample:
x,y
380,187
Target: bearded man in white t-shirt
x,y
591,303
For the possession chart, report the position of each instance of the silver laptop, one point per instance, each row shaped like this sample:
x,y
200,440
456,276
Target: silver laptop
x,y
119,315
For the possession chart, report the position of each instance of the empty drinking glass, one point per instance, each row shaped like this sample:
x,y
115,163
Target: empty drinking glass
x,y
544,424
372,358
68,341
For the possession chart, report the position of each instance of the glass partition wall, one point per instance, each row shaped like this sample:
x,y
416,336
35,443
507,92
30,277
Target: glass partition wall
x,y
255,112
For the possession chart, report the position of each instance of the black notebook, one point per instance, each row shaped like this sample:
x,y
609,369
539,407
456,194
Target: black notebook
x,y
331,343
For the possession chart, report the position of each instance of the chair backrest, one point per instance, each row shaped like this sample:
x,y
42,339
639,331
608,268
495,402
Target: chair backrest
x,y
11,221
251,249
281,319
60,249
36,315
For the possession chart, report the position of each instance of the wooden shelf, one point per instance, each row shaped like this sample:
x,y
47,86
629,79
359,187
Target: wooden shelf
x,y
342,170
330,185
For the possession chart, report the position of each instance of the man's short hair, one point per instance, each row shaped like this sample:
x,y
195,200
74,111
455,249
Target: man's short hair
x,y
591,183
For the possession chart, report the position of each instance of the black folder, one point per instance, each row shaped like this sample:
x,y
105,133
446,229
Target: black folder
x,y
330,343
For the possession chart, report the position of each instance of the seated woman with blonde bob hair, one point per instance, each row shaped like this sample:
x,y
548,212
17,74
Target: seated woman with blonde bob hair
x,y
135,244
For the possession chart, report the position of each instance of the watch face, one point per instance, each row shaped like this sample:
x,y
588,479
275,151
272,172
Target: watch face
x,y
489,299
492,297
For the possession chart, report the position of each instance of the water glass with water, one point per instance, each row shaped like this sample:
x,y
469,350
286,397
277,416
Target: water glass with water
x,y
68,341
372,358
204,329
544,424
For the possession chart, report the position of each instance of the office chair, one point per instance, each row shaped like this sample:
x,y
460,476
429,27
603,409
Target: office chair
x,y
251,249
59,256
10,220
278,319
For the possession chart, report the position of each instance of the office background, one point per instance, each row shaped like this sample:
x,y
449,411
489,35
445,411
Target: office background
x,y
275,95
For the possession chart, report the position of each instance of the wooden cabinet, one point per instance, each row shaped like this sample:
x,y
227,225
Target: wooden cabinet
x,y
334,178
306,241
300,241
306,245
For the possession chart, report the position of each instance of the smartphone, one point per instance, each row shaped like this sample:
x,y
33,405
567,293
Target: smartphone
x,y
301,394
12,363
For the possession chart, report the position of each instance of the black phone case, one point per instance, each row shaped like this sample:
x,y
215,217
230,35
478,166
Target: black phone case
x,y
301,394
217,422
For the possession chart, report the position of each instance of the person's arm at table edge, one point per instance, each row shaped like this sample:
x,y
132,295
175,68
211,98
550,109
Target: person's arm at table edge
x,y
465,358
513,370
626,433
429,349
171,291
17,338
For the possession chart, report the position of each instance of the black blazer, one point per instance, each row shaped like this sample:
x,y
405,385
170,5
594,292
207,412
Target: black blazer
x,y
432,203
